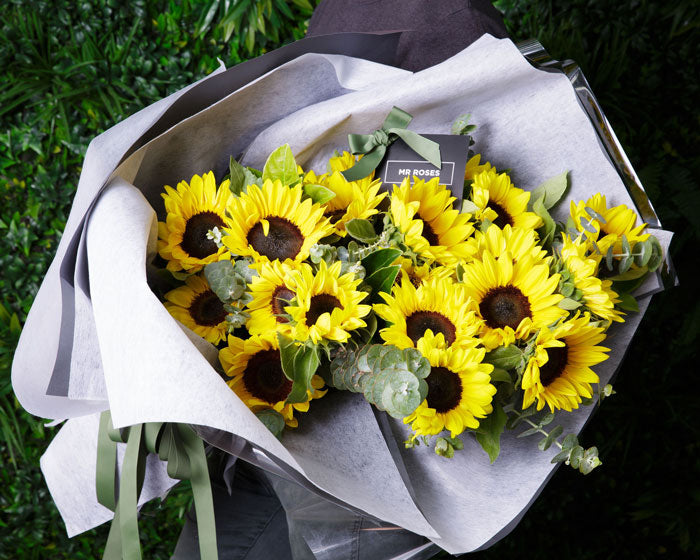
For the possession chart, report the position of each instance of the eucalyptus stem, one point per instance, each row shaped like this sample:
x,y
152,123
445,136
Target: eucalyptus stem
x,y
541,431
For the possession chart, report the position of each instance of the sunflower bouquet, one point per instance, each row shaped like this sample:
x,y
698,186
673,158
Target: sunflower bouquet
x,y
276,293
452,315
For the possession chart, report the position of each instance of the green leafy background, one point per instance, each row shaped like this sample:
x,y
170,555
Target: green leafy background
x,y
73,69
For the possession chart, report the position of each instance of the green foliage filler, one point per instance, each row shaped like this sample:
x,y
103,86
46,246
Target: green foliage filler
x,y
390,379
72,69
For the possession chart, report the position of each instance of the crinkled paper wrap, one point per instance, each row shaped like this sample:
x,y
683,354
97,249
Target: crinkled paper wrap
x,y
129,355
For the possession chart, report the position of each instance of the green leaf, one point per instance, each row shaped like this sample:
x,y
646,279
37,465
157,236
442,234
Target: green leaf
x,y
444,448
237,176
500,375
306,363
380,259
551,191
273,421
569,304
504,357
250,177
657,254
547,442
318,193
576,456
224,281
281,166
362,230
288,352
628,303
461,126
642,252
468,207
383,279
488,434
547,230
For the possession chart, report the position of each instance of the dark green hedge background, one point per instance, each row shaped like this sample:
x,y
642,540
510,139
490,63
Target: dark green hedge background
x,y
72,69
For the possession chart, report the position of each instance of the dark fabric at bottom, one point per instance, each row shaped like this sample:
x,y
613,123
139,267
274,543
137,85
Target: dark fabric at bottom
x,y
251,523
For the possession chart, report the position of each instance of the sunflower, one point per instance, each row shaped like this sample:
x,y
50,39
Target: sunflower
x,y
272,290
520,242
417,274
327,304
597,295
619,221
502,203
559,374
512,297
459,389
271,223
444,229
197,307
475,166
193,210
257,377
353,199
437,306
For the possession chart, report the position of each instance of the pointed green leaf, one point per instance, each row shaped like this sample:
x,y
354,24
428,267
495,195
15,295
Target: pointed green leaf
x,y
468,207
628,303
237,176
569,304
488,434
500,375
281,166
551,191
380,259
318,193
547,230
362,230
288,353
383,279
306,363
505,357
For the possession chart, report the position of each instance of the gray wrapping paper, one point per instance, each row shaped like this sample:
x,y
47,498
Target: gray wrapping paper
x,y
127,353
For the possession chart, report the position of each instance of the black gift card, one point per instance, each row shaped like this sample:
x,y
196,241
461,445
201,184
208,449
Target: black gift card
x,y
401,161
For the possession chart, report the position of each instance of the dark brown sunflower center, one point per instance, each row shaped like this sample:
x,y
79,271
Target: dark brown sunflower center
x,y
429,234
335,215
195,241
283,241
320,304
504,218
444,389
556,362
504,306
207,309
264,379
420,321
281,298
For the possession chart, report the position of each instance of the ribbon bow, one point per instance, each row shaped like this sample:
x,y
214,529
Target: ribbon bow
x,y
374,145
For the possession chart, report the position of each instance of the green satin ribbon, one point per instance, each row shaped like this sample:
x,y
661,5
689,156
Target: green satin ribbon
x,y
374,145
183,450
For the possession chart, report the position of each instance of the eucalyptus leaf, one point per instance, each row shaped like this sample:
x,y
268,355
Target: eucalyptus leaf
x,y
643,251
362,230
224,281
273,421
551,191
657,254
379,259
488,434
318,193
281,166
